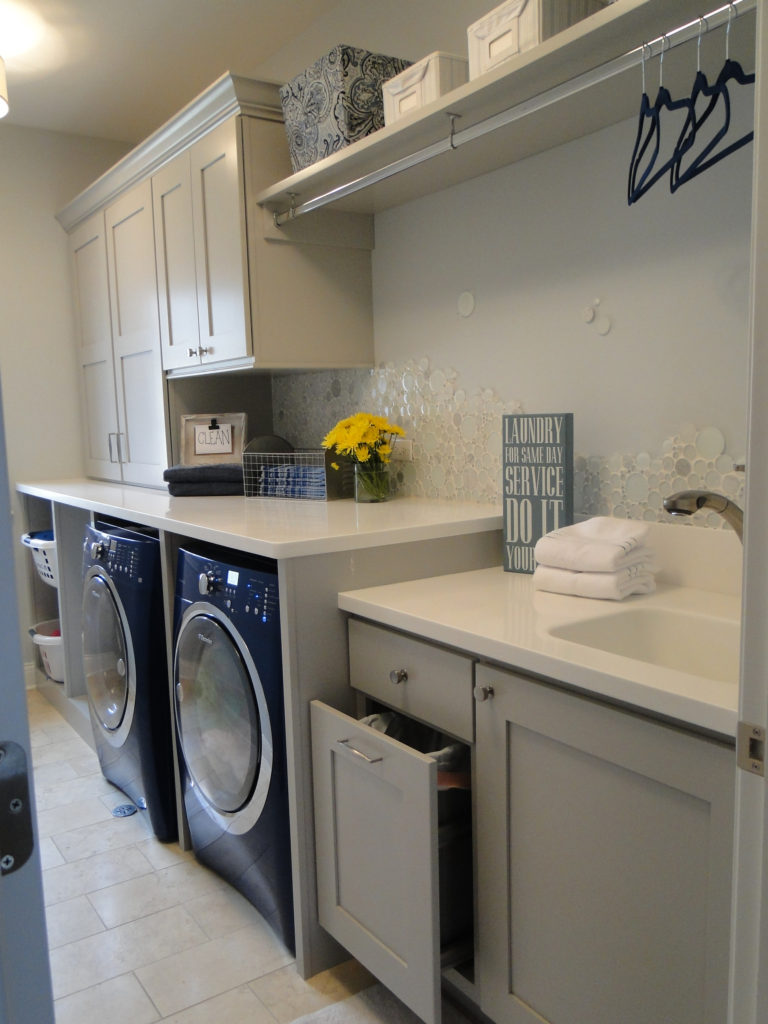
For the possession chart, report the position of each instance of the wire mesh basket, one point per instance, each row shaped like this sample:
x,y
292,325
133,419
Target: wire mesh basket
x,y
304,473
43,548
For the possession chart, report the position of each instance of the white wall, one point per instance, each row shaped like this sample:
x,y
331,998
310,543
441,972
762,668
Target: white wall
x,y
39,173
539,241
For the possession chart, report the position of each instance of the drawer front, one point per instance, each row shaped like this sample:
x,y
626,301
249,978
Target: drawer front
x,y
413,676
377,854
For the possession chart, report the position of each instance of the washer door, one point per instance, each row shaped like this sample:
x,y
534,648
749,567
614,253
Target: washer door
x,y
222,719
107,658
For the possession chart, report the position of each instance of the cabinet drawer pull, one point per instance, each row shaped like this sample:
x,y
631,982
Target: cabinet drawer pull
x,y
398,675
358,753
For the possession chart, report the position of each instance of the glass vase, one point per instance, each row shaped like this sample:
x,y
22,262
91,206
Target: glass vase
x,y
371,482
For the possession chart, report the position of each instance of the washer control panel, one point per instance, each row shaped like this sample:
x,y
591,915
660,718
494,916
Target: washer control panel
x,y
121,558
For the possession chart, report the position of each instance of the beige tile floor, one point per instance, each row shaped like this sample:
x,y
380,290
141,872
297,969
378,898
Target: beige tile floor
x,y
138,931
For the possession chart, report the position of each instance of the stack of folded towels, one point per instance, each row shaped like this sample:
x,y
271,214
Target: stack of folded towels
x,y
601,557
216,478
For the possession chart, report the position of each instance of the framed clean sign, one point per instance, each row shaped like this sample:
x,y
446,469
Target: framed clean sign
x,y
212,437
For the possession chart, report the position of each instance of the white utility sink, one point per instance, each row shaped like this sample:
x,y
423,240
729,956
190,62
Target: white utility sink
x,y
702,645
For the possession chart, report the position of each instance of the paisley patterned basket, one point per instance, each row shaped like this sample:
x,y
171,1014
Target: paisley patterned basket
x,y
336,101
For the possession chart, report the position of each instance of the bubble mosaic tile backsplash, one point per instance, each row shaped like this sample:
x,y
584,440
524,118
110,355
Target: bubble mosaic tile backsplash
x,y
456,438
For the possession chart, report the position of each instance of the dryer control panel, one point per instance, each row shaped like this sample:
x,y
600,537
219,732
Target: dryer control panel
x,y
239,591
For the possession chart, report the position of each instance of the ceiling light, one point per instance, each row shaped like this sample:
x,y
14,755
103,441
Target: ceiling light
x,y
3,90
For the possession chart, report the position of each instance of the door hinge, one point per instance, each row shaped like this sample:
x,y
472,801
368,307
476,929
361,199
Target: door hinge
x,y
16,836
750,748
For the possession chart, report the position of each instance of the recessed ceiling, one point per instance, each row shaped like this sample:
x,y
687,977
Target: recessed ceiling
x,y
117,69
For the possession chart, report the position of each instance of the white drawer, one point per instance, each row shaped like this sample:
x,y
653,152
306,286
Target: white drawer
x,y
413,676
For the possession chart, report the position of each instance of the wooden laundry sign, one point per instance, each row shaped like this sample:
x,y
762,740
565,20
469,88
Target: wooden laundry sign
x,y
537,482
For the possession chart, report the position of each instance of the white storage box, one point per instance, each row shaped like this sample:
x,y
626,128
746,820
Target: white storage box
x,y
518,25
48,640
422,83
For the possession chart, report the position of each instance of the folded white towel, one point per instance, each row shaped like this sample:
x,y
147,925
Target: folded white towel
x,y
611,586
600,544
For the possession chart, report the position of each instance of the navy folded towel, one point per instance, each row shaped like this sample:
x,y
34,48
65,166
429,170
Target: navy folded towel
x,y
216,478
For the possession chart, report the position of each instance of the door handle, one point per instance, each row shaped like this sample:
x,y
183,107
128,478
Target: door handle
x,y
358,753
111,452
17,839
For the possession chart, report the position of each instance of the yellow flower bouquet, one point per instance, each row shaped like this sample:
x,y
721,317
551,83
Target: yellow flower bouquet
x,y
367,441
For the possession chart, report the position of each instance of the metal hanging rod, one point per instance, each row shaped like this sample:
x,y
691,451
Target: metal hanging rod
x,y
675,37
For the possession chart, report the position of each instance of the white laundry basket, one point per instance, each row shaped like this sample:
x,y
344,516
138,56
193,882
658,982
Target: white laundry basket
x,y
43,548
48,640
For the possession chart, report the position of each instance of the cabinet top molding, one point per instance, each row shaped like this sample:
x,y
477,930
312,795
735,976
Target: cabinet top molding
x,y
226,97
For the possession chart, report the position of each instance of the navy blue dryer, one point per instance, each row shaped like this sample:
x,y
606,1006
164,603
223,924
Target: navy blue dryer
x,y
228,695
126,668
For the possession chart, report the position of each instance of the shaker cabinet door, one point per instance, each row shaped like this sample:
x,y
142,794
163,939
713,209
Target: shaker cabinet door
x,y
94,339
377,855
218,205
175,255
604,883
136,336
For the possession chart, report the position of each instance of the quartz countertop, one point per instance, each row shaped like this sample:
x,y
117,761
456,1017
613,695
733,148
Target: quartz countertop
x,y
275,527
498,616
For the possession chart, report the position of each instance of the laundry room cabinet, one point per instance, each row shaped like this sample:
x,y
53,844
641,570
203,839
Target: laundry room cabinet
x,y
601,845
227,291
193,260
605,860
124,418
393,847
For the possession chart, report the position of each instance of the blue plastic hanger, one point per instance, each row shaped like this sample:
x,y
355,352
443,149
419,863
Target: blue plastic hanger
x,y
651,115
731,71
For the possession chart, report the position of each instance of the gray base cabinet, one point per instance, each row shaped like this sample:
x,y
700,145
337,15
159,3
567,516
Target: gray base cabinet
x,y
602,845
604,850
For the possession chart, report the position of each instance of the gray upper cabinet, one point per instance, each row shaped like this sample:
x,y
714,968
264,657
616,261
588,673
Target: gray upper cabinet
x,y
124,418
228,296
88,253
205,272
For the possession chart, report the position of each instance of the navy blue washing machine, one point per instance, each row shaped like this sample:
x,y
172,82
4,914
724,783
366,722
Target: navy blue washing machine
x,y
230,725
126,668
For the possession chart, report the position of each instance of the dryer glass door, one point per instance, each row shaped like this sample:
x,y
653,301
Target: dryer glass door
x,y
218,717
104,653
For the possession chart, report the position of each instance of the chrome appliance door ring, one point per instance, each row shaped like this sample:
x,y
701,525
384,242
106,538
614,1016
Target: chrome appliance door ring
x,y
242,820
115,737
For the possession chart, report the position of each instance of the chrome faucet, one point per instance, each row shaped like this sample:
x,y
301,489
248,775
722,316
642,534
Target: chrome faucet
x,y
685,503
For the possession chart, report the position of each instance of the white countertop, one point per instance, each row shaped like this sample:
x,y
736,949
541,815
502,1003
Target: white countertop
x,y
275,527
497,615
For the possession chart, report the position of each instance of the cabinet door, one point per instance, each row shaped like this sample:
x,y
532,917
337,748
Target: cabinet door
x,y
94,335
220,248
175,256
136,336
604,867
377,858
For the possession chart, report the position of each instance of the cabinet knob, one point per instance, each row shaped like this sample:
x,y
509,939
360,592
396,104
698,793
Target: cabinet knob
x,y
483,693
192,353
202,351
398,675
